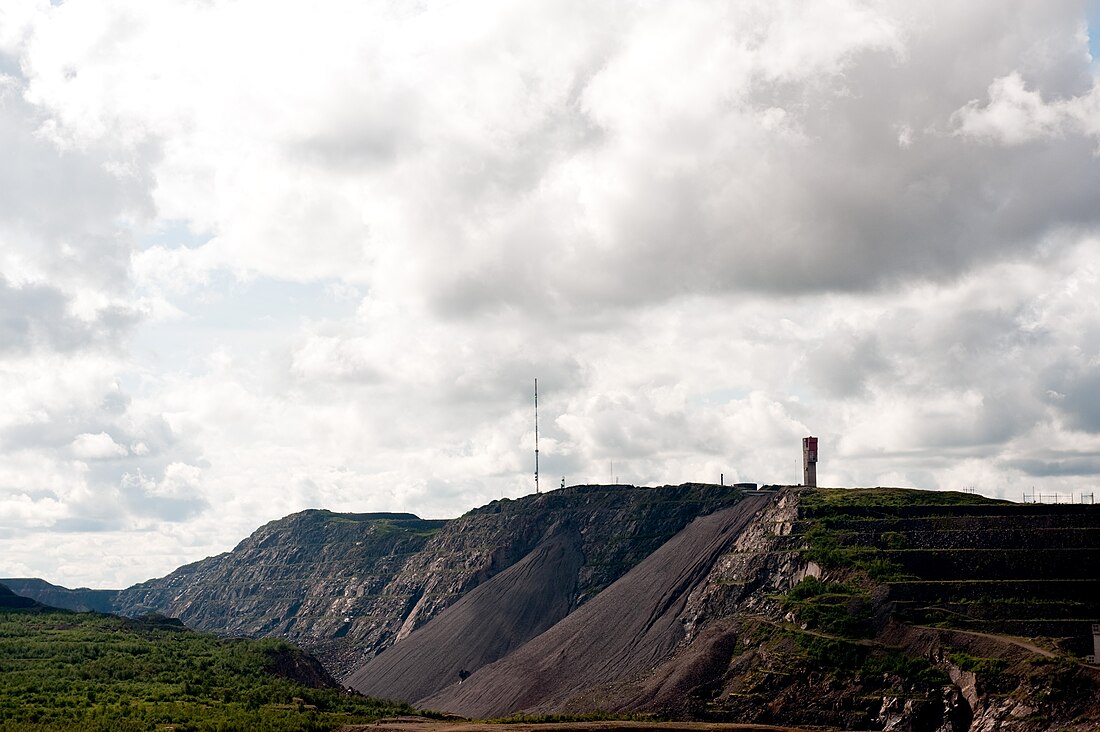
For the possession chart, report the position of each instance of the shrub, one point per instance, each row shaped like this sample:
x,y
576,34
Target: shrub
x,y
86,671
978,664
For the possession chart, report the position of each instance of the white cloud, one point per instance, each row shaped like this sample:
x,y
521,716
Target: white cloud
x,y
97,447
508,155
180,481
1015,114
17,18
707,230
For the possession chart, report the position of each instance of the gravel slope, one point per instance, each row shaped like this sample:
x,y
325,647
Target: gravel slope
x,y
488,622
626,629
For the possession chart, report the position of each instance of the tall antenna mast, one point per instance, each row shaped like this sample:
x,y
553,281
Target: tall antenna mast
x,y
536,435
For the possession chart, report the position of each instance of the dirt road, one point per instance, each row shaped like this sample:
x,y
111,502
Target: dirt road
x,y
406,724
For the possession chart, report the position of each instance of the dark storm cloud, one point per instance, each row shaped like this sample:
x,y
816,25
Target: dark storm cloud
x,y
1069,465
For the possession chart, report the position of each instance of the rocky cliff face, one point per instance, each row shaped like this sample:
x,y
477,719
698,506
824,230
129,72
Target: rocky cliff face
x,y
347,586
493,619
312,577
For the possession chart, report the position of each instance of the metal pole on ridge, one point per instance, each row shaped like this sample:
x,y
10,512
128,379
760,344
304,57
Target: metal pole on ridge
x,y
536,435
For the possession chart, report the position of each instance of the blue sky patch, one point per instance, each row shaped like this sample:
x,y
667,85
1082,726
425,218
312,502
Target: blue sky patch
x,y
1094,29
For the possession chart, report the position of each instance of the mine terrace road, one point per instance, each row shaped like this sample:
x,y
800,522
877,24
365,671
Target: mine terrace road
x,y
1003,638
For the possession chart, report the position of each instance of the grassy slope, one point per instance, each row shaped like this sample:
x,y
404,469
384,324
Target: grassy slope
x,y
62,670
822,499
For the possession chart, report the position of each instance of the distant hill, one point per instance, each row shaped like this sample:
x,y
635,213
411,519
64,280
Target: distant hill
x,y
11,601
81,599
315,577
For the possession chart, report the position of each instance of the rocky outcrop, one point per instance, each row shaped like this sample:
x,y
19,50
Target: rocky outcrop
x,y
300,667
618,527
897,559
314,577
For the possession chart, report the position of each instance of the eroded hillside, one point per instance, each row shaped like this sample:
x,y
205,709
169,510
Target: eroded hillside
x,y
632,625
875,609
347,586
310,577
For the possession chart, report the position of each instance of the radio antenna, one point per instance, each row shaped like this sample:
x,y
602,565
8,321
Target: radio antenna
x,y
536,435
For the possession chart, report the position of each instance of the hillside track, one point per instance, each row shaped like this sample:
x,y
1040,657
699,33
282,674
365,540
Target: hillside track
x,y
1019,642
404,725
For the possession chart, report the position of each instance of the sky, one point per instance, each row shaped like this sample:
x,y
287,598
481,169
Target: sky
x,y
261,256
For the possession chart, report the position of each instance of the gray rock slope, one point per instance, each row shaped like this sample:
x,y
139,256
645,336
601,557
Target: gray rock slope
x,y
627,629
486,624
348,586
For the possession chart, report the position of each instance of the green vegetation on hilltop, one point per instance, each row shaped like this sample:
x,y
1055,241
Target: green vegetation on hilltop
x,y
834,549
84,671
825,501
979,665
859,534
951,560
834,542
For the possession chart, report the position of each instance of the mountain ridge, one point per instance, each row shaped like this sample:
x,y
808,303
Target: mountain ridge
x,y
347,586
854,609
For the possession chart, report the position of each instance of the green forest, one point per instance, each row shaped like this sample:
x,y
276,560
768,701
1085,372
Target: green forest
x,y
61,670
